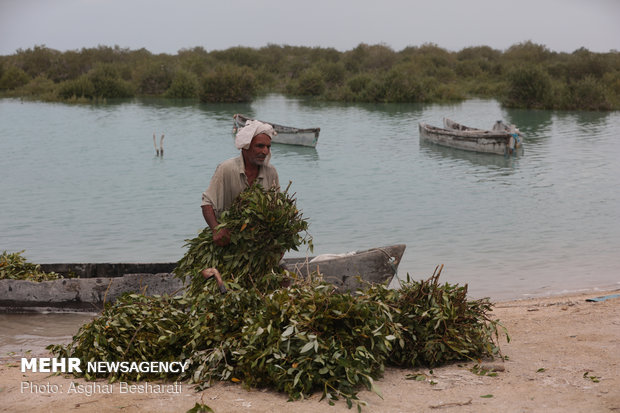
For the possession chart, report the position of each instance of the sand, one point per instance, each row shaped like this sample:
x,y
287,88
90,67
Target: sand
x,y
564,356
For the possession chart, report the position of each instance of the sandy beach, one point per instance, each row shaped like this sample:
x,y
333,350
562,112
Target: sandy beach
x,y
564,356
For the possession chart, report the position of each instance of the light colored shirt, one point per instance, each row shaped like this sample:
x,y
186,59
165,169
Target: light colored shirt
x,y
229,180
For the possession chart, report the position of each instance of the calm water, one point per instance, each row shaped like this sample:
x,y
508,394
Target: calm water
x,y
28,335
82,184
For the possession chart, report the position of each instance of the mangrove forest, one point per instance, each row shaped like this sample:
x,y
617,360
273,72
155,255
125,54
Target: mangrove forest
x,y
526,75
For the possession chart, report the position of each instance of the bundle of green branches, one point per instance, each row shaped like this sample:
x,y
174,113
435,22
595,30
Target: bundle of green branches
x,y
437,323
308,337
134,328
299,339
15,267
264,224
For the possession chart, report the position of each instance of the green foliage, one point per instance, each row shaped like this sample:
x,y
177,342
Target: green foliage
x,y
38,60
297,339
405,84
333,73
586,94
107,82
612,82
135,328
594,379
155,80
479,53
370,57
307,337
184,85
525,75
256,214
13,78
200,408
453,328
228,84
81,87
359,83
309,83
239,56
529,52
40,87
587,64
13,266
103,81
529,87
196,60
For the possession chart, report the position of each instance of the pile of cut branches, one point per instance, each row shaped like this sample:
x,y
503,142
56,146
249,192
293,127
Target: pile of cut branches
x,y
264,224
300,339
14,266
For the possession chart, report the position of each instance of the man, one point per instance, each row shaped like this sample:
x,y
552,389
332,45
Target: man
x,y
234,175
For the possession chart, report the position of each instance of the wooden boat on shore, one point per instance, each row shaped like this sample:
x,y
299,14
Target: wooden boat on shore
x,y
94,284
502,139
285,134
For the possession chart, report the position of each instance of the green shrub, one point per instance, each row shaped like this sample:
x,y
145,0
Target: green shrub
x,y
468,68
228,84
13,78
81,87
528,87
611,81
404,84
107,82
184,85
369,57
525,75
155,80
40,87
586,94
366,88
309,83
527,52
333,73
239,56
359,82
38,60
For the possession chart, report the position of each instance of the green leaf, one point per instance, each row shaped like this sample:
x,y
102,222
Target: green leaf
x,y
309,346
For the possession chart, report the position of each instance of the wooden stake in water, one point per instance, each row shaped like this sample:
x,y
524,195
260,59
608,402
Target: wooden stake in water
x,y
160,151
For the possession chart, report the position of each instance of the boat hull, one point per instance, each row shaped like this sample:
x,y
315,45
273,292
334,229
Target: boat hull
x,y
285,134
375,266
99,283
477,140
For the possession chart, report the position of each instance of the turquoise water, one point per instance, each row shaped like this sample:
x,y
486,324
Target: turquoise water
x,y
81,183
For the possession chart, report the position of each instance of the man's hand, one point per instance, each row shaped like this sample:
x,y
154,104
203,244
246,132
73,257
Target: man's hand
x,y
221,237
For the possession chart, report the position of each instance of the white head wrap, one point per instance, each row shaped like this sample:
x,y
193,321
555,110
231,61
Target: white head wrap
x,y
250,130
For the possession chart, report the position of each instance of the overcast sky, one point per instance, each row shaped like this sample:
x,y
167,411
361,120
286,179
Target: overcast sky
x,y
168,26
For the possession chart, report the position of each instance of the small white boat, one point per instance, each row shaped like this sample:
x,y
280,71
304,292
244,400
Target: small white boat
x,y
285,134
502,139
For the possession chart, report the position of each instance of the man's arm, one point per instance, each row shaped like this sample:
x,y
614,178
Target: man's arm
x,y
220,237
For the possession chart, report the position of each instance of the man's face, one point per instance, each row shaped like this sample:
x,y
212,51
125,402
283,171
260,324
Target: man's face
x,y
259,149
